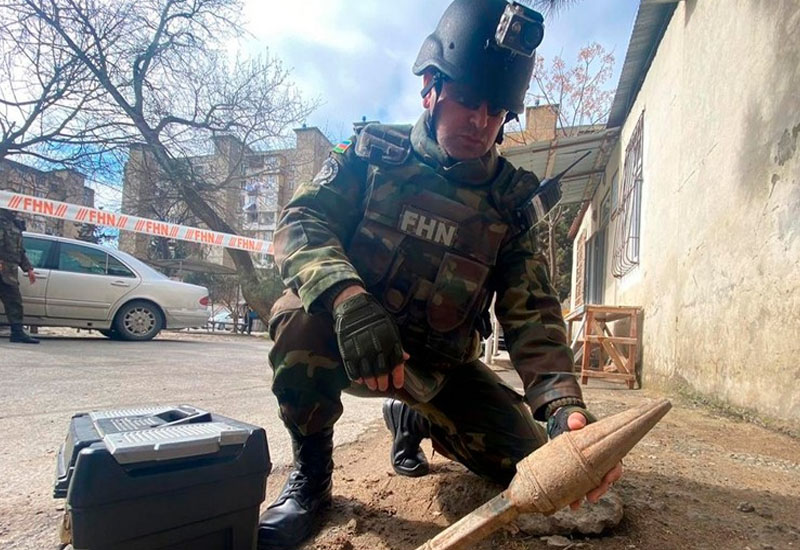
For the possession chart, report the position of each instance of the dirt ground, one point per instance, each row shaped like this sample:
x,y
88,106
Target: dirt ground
x,y
698,480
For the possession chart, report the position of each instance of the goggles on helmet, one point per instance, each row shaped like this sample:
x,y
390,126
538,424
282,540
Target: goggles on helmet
x,y
463,94
467,97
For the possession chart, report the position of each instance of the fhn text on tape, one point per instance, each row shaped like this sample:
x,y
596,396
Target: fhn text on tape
x,y
84,214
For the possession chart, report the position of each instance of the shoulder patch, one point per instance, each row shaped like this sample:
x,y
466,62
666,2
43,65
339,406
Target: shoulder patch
x,y
383,143
343,146
328,172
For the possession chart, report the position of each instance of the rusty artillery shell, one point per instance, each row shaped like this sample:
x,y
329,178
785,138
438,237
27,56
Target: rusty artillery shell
x,y
560,472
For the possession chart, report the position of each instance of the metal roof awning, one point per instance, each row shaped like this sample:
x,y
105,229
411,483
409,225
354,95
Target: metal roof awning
x,y
548,158
648,29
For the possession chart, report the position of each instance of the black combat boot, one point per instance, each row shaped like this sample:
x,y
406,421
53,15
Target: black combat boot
x,y
408,428
290,519
19,336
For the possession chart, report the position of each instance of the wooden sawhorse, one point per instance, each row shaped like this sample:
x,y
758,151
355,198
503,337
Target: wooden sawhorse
x,y
617,353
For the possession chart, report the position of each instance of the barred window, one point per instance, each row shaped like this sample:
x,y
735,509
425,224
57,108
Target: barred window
x,y
627,215
266,218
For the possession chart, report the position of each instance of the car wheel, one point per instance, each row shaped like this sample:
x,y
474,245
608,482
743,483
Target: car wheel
x,y
109,333
138,320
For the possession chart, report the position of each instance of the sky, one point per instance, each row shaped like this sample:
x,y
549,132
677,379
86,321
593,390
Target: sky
x,y
106,196
356,56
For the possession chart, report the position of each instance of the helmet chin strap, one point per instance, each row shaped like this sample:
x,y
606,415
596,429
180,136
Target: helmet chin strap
x,y
509,118
436,83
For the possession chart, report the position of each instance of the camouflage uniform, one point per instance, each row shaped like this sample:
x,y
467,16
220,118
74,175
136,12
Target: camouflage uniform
x,y
12,254
432,241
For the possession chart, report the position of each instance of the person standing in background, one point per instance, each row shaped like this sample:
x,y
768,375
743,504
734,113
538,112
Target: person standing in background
x,y
12,255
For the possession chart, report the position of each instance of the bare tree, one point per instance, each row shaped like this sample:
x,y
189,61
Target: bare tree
x,y
582,102
43,94
169,86
552,7
579,91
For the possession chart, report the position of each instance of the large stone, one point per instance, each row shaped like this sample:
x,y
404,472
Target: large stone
x,y
589,519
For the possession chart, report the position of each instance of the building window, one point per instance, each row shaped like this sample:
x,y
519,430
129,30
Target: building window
x,y
266,218
627,216
88,196
272,163
605,209
594,268
595,263
580,268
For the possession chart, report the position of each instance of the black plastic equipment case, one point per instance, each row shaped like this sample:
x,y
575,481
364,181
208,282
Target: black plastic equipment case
x,y
161,478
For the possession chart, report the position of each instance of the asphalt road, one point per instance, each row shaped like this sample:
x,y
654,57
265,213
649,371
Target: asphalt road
x,y
42,386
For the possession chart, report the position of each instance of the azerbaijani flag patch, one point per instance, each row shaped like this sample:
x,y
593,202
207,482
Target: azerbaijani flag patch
x,y
343,146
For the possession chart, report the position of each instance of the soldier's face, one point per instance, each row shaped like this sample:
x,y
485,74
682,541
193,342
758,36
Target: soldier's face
x,y
465,129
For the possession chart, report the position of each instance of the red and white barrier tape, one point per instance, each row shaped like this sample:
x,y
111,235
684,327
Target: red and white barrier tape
x,y
123,222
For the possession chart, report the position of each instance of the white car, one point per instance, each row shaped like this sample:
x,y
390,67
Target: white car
x,y
84,285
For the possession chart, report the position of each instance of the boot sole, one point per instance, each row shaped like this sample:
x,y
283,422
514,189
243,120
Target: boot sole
x,y
307,535
422,470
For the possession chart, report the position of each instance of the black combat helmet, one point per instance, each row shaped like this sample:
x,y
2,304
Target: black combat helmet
x,y
487,45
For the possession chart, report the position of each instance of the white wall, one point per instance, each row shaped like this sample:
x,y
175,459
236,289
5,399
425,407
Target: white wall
x,y
719,273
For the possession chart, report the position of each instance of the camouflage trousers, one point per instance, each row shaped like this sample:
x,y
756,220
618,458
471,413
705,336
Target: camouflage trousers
x,y
12,301
475,418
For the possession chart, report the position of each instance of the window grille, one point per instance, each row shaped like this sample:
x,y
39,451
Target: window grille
x,y
627,215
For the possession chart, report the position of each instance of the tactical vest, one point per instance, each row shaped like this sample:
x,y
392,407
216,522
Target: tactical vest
x,y
426,246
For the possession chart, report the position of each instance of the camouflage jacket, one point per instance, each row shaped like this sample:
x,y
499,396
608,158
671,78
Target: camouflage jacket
x,y
433,241
12,253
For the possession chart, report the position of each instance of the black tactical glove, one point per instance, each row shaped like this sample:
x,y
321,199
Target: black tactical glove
x,y
368,337
557,421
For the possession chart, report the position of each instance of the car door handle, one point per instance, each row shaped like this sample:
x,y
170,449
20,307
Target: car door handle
x,y
120,283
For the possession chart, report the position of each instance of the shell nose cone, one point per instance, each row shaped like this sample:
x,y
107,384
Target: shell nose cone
x,y
605,442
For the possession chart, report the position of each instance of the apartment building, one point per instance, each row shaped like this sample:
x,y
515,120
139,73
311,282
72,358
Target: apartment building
x,y
247,188
60,185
